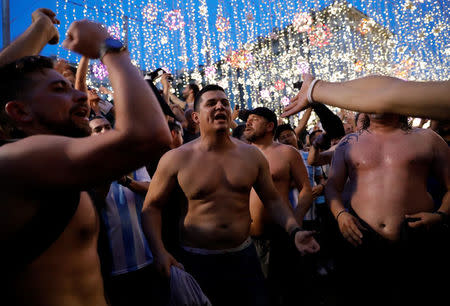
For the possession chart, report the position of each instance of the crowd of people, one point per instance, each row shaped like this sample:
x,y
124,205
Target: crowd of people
x,y
153,199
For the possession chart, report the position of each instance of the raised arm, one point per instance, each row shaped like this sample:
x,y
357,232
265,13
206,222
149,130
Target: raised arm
x,y
303,122
80,77
163,183
141,132
280,212
31,42
378,94
177,101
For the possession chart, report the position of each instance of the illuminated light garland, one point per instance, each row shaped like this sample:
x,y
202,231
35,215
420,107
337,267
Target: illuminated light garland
x,y
265,94
222,24
409,5
365,26
174,20
319,35
303,67
358,66
99,71
240,59
392,33
114,31
285,101
210,72
302,22
279,85
150,12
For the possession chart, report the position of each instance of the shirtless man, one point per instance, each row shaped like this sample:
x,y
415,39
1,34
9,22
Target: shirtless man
x,y
216,173
49,226
287,170
285,163
387,166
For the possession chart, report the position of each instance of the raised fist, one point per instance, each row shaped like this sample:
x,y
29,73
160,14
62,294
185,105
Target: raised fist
x,y
85,38
48,18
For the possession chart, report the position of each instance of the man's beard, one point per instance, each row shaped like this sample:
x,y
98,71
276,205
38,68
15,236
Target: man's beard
x,y
69,128
253,136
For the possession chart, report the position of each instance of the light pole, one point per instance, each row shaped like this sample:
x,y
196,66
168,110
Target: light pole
x,y
5,23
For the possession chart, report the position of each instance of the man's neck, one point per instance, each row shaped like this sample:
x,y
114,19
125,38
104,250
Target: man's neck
x,y
383,126
264,142
190,100
215,141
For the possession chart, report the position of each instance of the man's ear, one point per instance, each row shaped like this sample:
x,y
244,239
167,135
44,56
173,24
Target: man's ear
x,y
271,125
195,117
18,111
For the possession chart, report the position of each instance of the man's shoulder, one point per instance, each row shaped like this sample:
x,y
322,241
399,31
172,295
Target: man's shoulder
x,y
350,139
286,150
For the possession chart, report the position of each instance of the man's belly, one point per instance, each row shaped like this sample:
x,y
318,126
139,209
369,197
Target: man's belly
x,y
385,212
214,231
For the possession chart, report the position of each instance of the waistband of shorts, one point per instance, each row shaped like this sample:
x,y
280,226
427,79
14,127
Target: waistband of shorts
x,y
199,251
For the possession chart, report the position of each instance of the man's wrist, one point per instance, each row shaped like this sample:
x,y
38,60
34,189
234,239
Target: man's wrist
x,y
310,91
443,215
294,231
340,213
127,181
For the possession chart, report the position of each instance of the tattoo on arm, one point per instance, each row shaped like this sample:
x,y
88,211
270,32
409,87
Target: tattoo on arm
x,y
349,139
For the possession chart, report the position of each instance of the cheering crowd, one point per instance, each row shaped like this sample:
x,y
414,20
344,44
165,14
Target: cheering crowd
x,y
157,200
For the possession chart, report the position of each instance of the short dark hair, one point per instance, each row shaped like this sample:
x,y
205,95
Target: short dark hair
x,y
16,83
238,131
313,134
211,87
194,87
366,121
98,117
281,128
174,126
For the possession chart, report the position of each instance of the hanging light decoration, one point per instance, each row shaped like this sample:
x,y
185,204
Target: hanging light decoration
x,y
150,12
272,40
174,20
240,59
302,22
319,35
99,71
222,24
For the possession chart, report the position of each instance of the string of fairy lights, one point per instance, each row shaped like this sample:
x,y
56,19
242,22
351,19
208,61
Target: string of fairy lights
x,y
256,49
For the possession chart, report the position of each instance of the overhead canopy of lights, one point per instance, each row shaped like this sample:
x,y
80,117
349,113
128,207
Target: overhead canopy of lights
x,y
257,49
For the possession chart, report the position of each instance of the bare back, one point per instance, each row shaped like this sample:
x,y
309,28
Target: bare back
x,y
388,174
68,271
217,186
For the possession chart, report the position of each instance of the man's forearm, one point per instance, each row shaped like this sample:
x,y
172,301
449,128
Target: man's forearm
x,y
303,122
151,224
175,100
283,215
381,94
445,206
80,77
31,42
305,201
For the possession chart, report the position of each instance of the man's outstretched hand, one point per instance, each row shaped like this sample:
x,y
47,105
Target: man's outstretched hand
x,y
305,242
48,18
300,101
